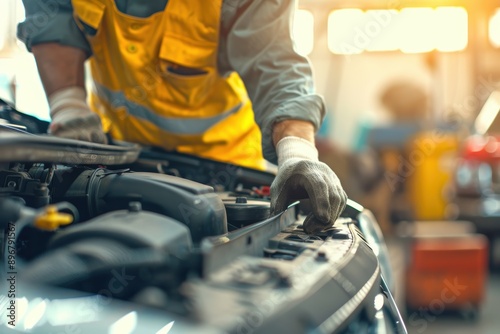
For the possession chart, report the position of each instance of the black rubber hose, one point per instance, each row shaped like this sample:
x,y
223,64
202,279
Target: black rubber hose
x,y
98,191
10,211
70,208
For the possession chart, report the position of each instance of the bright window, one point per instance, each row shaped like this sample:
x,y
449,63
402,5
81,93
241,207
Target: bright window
x,y
384,39
417,28
494,29
4,24
452,34
303,32
410,30
344,36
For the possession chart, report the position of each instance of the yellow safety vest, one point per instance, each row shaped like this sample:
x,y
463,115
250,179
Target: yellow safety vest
x,y
156,81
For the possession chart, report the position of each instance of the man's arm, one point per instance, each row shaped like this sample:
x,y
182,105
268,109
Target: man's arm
x,y
259,46
49,21
59,66
256,42
61,70
60,50
297,128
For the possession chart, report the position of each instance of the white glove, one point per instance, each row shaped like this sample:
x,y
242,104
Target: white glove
x,y
301,175
72,118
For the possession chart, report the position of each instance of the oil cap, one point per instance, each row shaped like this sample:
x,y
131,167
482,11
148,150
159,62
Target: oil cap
x,y
242,211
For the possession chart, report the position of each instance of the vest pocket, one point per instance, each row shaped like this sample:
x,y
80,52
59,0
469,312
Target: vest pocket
x,y
187,70
188,87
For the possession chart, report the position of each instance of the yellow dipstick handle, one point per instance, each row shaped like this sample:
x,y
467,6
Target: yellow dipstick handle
x,y
51,219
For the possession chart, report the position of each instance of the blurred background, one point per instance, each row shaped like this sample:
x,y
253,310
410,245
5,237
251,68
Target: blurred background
x,y
412,90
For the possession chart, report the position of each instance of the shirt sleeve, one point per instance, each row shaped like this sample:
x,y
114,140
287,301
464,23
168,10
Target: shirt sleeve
x,y
51,21
256,42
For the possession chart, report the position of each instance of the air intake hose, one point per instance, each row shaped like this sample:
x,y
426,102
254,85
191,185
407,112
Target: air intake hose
x,y
96,191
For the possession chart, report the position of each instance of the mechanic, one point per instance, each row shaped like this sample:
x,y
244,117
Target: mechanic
x,y
218,79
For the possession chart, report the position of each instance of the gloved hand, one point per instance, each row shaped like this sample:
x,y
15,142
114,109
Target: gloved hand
x,y
301,175
72,118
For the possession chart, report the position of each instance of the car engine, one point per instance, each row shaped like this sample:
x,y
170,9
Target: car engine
x,y
128,239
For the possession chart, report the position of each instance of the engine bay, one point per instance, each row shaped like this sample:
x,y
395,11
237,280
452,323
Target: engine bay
x,y
174,238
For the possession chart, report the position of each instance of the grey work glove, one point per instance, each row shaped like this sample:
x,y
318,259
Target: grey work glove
x,y
72,118
301,175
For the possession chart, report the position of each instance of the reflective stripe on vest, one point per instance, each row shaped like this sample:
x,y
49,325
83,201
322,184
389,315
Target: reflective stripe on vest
x,y
180,126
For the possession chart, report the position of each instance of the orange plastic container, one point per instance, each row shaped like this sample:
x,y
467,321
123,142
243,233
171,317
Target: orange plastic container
x,y
447,272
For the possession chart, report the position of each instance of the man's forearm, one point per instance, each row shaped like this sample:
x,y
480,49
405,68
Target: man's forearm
x,y
297,128
59,66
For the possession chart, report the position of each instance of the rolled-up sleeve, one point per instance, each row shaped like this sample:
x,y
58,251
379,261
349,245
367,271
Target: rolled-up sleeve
x,y
259,46
51,21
